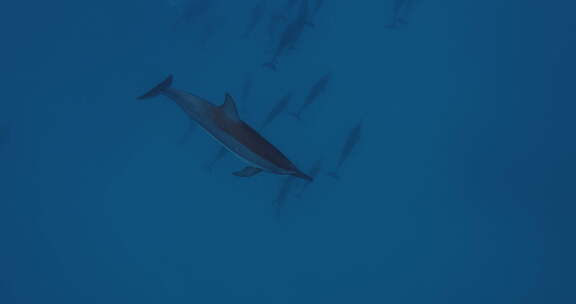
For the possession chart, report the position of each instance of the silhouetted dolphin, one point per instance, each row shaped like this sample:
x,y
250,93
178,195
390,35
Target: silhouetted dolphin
x,y
278,108
224,125
315,91
257,14
290,35
351,141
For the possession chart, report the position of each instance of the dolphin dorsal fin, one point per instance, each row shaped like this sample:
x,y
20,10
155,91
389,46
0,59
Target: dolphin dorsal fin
x,y
229,108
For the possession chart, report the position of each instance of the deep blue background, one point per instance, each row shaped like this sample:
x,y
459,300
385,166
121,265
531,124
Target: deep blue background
x,y
461,190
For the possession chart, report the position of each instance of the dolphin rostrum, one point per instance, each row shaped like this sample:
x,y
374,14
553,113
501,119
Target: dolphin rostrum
x,y
225,126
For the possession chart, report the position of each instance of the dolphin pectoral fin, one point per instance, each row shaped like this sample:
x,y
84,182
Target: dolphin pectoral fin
x,y
248,171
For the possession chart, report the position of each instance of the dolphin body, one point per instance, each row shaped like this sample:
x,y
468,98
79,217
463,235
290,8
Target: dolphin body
x,y
290,36
257,15
225,126
278,108
351,141
316,90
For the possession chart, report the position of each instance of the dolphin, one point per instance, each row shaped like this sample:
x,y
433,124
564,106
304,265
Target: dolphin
x,y
290,36
315,91
278,108
225,125
257,14
351,141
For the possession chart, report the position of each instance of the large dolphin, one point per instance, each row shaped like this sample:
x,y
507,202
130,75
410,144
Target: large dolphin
x,y
225,126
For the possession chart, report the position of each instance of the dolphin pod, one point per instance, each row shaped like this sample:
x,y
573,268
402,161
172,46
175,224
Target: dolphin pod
x,y
225,125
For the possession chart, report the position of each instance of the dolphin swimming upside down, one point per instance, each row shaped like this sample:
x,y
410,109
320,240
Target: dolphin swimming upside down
x,y
223,124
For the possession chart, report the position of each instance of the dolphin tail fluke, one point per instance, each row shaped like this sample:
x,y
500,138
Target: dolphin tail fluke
x,y
166,83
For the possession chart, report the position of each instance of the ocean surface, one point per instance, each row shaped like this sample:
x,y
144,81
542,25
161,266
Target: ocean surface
x,y
440,135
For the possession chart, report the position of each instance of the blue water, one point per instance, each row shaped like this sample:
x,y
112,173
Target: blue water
x,y
460,189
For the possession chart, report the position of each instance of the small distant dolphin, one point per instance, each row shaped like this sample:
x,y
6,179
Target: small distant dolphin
x,y
351,141
278,108
316,90
257,14
225,126
290,36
